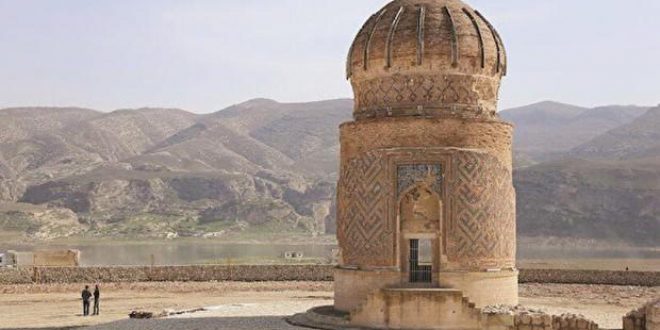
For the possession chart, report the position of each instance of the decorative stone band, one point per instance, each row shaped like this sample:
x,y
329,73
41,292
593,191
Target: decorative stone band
x,y
465,96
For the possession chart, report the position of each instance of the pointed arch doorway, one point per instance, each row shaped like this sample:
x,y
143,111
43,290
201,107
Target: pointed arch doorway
x,y
420,219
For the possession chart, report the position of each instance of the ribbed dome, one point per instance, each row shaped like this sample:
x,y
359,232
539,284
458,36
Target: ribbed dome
x,y
426,58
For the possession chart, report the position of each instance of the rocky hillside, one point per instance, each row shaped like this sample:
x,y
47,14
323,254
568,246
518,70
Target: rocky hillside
x,y
638,139
608,187
547,130
260,165
618,201
263,166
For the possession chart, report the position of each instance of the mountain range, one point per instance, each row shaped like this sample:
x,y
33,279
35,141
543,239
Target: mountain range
x,y
263,167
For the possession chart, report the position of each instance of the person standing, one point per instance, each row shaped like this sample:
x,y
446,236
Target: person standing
x,y
85,298
97,298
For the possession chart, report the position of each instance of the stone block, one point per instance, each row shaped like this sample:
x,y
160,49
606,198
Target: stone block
x,y
653,312
547,319
525,319
537,320
582,324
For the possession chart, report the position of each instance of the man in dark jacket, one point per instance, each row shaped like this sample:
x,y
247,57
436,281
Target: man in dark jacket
x,y
85,298
97,298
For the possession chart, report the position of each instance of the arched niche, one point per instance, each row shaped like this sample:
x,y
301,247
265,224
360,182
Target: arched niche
x,y
420,211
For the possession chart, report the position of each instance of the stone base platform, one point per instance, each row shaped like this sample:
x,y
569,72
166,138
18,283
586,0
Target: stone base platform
x,y
323,317
418,308
405,309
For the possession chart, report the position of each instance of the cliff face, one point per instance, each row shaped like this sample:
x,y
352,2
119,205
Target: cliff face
x,y
608,187
153,171
638,139
271,167
607,200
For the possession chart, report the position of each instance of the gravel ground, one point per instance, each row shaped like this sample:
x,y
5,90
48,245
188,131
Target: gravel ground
x,y
229,323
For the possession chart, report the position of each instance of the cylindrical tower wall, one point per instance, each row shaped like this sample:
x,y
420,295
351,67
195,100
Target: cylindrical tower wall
x,y
478,236
427,158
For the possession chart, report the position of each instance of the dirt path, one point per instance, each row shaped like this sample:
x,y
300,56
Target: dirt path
x,y
39,306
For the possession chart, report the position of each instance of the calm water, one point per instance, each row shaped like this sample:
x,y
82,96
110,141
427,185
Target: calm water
x,y
191,253
183,253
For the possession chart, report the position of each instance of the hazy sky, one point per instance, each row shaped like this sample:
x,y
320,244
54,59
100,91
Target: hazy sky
x,y
203,55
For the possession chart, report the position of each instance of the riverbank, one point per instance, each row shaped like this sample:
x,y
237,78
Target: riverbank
x,y
271,249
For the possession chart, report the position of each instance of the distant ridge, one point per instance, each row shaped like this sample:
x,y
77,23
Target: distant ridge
x,y
547,129
265,166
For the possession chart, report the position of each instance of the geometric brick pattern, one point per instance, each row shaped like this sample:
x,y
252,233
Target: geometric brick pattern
x,y
410,175
477,188
484,232
363,230
400,95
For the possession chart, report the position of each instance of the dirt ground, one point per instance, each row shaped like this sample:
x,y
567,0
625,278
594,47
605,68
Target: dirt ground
x,y
57,306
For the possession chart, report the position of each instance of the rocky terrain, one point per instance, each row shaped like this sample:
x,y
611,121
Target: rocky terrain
x,y
260,165
264,166
607,187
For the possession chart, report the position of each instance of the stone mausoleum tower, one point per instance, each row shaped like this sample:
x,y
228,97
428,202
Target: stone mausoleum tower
x,y
426,204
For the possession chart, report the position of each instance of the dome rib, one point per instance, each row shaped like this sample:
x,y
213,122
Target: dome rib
x,y
390,35
349,59
454,37
426,58
420,34
480,36
370,38
501,51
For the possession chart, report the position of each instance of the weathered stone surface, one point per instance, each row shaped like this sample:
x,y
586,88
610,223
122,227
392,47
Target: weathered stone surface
x,y
425,159
426,58
646,317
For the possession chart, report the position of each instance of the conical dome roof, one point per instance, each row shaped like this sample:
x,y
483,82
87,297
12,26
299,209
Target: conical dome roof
x,y
426,58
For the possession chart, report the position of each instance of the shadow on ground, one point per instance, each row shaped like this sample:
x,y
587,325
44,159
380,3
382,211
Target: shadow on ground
x,y
228,323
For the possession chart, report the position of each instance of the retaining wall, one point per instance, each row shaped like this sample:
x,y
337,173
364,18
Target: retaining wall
x,y
589,277
245,273
166,274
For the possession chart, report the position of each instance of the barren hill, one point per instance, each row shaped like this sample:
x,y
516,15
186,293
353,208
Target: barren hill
x,y
548,129
264,166
618,201
638,139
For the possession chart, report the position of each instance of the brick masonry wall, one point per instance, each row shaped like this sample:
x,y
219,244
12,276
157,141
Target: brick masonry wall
x,y
644,318
166,274
653,315
541,321
279,273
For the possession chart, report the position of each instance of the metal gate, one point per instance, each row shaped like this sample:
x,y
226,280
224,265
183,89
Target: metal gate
x,y
418,273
